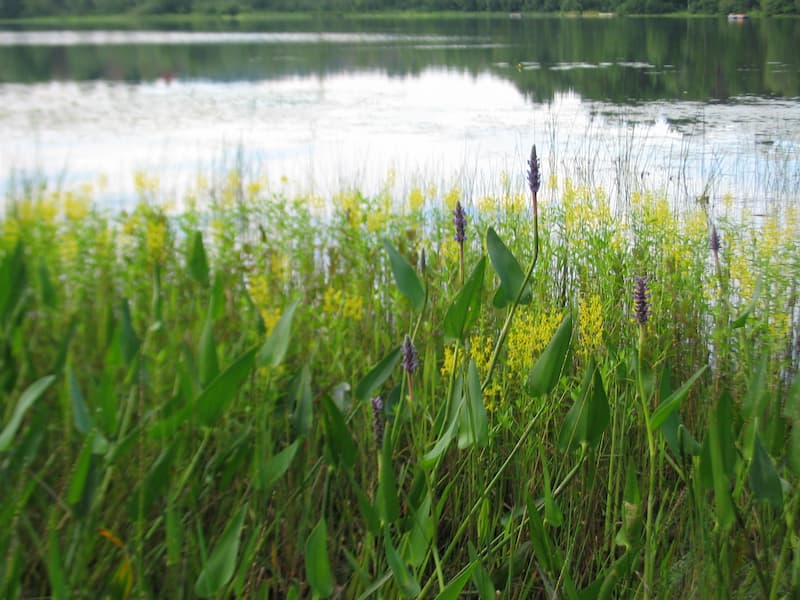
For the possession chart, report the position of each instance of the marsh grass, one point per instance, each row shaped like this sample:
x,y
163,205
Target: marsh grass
x,y
188,396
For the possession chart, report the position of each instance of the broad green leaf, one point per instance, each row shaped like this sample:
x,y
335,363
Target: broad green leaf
x,y
274,349
128,340
474,423
430,457
302,397
671,404
207,363
509,271
377,375
29,396
80,412
588,418
720,449
543,546
197,263
13,283
421,533
764,480
630,530
213,400
155,483
46,288
386,499
480,577
406,277
792,412
318,566
408,585
546,372
340,442
274,467
173,535
80,475
552,512
466,308
55,569
221,564
452,590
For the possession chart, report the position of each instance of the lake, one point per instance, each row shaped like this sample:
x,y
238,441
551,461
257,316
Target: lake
x,y
684,106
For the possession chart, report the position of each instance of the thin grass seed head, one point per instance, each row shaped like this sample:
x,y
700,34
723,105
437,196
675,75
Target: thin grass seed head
x,y
460,222
534,175
378,420
641,301
410,360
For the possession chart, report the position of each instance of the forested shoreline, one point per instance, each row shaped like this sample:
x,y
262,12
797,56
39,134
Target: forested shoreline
x,y
12,9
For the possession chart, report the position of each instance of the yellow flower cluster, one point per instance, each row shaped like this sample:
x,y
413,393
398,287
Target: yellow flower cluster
x,y
528,337
350,306
590,323
145,185
350,204
452,197
416,199
259,290
156,232
584,208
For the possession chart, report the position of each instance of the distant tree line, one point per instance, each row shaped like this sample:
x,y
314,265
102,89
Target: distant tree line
x,y
31,8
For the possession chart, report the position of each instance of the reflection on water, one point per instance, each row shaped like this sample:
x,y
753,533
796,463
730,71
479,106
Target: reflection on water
x,y
619,103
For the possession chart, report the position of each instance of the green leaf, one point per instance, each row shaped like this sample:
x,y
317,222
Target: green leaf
x,y
367,509
303,409
671,404
631,528
55,569
80,475
155,483
588,418
421,533
408,585
274,349
792,412
406,277
764,480
340,442
465,310
430,457
13,284
386,499
196,260
552,512
207,363
721,455
546,372
509,271
29,396
740,320
128,340
473,422
480,577
318,566
221,564
80,412
378,375
453,589
213,400
48,292
274,467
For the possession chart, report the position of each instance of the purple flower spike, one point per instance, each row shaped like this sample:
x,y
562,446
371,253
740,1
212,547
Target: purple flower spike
x,y
713,243
534,177
410,360
460,221
641,300
377,420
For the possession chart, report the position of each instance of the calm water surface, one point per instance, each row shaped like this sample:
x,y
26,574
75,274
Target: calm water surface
x,y
672,104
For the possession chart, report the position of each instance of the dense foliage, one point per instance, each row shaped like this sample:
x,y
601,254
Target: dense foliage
x,y
257,395
26,8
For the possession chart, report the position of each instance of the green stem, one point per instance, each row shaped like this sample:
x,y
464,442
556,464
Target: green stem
x,y
649,555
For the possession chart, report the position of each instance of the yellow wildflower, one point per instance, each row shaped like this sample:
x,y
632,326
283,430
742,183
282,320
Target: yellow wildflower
x,y
76,207
480,350
590,323
529,336
353,307
416,199
155,240
449,362
332,300
452,197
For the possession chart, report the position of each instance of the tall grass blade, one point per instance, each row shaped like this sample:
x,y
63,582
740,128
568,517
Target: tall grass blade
x,y
405,580
196,260
378,375
453,589
221,564
340,442
213,400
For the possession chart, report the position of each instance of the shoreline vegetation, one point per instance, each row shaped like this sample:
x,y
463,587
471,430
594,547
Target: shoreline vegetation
x,y
235,18
267,395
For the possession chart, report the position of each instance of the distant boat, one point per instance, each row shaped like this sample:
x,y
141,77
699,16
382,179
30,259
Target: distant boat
x,y
737,17
515,15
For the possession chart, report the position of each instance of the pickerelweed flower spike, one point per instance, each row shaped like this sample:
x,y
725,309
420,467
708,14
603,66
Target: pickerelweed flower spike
x,y
410,360
534,176
641,300
377,420
713,243
460,221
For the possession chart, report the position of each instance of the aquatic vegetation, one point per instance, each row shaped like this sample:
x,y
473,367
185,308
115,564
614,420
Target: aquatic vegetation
x,y
263,395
